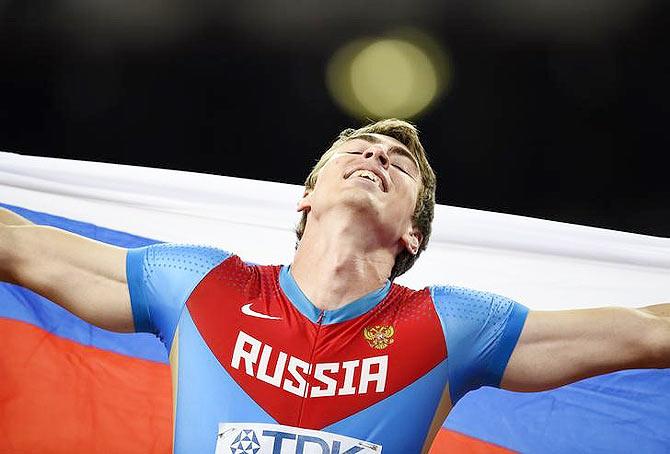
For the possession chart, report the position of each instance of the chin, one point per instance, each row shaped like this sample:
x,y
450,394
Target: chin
x,y
360,201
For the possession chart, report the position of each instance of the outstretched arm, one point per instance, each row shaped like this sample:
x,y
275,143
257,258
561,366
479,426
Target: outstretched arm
x,y
560,347
84,276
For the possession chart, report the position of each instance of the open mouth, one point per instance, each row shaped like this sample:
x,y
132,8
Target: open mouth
x,y
370,176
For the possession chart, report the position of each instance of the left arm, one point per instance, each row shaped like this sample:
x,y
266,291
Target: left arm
x,y
560,347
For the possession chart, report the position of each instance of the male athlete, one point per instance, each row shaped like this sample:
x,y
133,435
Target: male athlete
x,y
328,355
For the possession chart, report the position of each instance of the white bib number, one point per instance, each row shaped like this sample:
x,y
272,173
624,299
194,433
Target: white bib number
x,y
251,438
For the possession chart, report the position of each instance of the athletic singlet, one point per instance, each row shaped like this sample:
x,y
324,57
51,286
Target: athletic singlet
x,y
253,360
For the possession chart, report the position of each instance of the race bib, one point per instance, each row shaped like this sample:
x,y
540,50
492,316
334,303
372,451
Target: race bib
x,y
251,438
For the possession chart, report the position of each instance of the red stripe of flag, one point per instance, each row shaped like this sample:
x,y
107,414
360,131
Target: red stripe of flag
x,y
59,396
449,442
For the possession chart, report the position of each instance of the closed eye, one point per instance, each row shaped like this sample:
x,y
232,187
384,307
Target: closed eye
x,y
400,168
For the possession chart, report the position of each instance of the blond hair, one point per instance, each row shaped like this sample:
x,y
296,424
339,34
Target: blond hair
x,y
408,135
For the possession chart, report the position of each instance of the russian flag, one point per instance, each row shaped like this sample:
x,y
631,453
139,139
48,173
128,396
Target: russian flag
x,y
66,386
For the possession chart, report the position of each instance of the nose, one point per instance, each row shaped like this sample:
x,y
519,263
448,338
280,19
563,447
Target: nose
x,y
376,151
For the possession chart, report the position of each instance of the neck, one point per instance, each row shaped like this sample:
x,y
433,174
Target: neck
x,y
338,261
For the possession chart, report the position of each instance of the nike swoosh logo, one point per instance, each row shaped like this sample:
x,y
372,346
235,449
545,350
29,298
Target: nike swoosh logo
x,y
246,310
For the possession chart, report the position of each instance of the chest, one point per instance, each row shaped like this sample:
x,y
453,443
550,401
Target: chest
x,y
309,373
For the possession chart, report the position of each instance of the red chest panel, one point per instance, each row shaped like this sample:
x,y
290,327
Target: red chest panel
x,y
307,374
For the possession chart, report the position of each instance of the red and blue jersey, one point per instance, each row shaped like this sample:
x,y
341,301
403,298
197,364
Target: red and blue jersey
x,y
247,346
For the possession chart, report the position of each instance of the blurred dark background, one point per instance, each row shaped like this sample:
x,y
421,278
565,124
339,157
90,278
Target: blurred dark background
x,y
552,109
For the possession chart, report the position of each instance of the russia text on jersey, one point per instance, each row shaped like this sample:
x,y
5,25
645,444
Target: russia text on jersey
x,y
292,373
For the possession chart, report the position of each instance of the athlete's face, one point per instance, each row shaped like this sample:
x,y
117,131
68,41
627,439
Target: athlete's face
x,y
378,178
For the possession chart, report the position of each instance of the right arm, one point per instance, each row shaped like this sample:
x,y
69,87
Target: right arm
x,y
86,277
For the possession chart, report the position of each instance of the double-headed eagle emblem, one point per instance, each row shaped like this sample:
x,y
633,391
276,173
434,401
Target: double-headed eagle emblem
x,y
379,336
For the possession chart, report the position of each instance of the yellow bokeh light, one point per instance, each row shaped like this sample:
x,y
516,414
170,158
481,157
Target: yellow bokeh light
x,y
390,77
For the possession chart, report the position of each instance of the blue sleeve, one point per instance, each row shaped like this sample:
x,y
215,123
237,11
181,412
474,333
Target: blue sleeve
x,y
481,330
160,279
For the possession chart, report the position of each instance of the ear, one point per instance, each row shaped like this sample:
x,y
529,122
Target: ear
x,y
305,203
412,239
